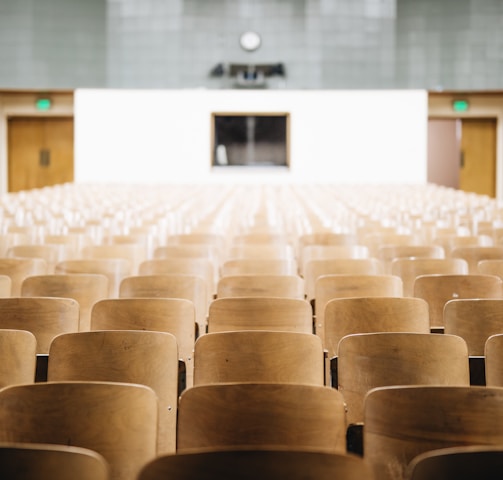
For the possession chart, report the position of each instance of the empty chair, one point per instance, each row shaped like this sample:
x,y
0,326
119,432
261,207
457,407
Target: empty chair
x,y
51,254
260,251
5,286
437,290
376,240
172,315
408,269
259,356
458,463
117,420
286,286
251,464
404,421
201,267
370,360
388,253
260,313
115,269
257,266
346,316
45,317
331,252
20,268
451,241
264,414
85,288
329,287
128,356
189,287
493,352
475,320
314,269
266,238
474,254
133,252
18,357
491,267
35,461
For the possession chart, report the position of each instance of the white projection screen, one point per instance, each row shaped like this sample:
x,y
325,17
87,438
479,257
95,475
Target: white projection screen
x,y
165,136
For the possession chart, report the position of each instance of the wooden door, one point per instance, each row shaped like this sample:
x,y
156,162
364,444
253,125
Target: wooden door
x,y
478,156
40,152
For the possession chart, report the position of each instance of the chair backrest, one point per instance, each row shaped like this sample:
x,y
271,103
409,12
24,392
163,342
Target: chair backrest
x,y
346,316
20,268
376,240
260,313
133,252
127,356
85,288
451,241
250,414
201,267
474,254
188,287
388,253
493,352
314,269
117,420
260,251
171,315
51,254
259,356
5,286
18,357
458,463
329,287
45,317
408,269
370,360
251,464
437,290
25,461
491,267
475,320
115,269
259,266
404,421
331,252
286,286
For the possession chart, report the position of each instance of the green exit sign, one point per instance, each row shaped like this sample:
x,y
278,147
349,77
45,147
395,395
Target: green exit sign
x,y
43,103
460,105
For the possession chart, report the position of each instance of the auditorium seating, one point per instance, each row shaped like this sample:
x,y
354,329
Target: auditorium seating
x,y
18,357
316,262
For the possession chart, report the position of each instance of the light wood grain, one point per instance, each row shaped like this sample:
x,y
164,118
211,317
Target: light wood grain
x,y
18,357
20,268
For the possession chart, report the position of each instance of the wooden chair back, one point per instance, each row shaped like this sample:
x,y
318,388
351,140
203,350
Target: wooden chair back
x,y
408,269
370,360
85,288
314,269
457,463
260,313
258,356
127,356
50,254
450,241
474,320
132,252
474,254
5,286
20,268
331,252
115,269
250,414
250,464
491,267
375,240
329,287
18,357
29,461
258,266
437,290
44,317
347,316
188,287
117,420
171,315
404,421
493,352
286,286
388,253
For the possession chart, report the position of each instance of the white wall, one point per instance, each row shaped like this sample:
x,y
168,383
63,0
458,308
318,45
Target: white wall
x,y
162,136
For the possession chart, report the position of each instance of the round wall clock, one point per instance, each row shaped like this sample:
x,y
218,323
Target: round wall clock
x,y
249,41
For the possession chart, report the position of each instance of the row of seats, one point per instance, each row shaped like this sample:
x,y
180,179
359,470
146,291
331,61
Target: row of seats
x,y
318,268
